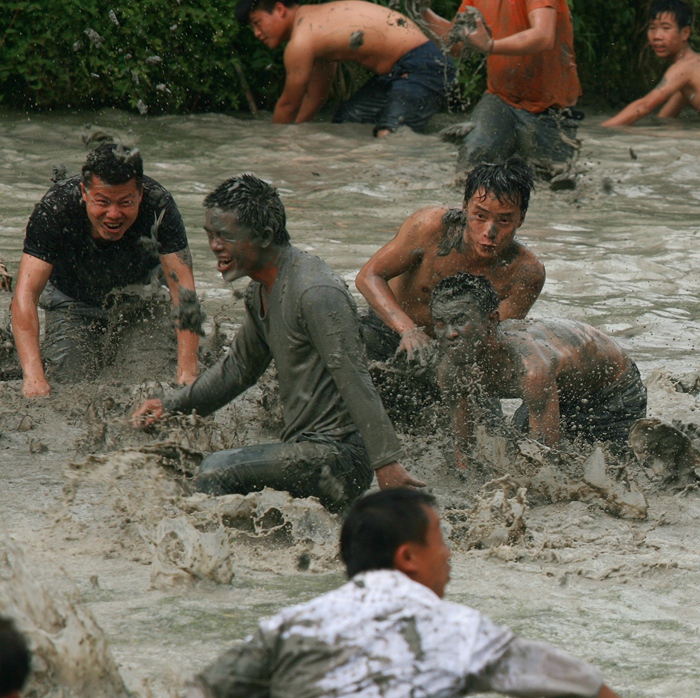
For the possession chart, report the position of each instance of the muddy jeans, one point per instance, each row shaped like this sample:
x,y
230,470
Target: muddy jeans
x,y
415,89
80,339
314,465
546,140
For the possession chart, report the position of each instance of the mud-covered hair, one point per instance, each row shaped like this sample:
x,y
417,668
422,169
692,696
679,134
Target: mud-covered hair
x,y
510,182
15,658
114,164
679,9
255,203
245,7
478,288
378,524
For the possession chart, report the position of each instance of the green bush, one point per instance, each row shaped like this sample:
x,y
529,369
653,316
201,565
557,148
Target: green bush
x,y
142,55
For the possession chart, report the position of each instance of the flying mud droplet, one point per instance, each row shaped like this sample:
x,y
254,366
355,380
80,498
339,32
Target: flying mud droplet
x,y
633,155
95,39
357,39
113,18
153,60
142,107
190,314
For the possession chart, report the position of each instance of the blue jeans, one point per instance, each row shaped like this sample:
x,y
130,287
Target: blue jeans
x,y
409,94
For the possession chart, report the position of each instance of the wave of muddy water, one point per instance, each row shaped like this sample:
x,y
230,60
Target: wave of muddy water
x,y
83,497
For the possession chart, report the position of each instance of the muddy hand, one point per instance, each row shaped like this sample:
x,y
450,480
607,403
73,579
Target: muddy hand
x,y
416,344
471,29
5,278
395,475
35,387
149,413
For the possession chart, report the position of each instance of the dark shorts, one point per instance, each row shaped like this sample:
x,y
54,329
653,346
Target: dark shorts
x,y
607,415
416,88
337,471
547,140
132,331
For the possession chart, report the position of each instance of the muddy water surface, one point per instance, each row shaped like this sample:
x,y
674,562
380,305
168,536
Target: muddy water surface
x,y
621,253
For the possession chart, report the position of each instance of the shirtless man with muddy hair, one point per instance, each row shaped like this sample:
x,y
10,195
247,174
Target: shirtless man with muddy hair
x,y
412,77
572,378
670,23
437,242
336,433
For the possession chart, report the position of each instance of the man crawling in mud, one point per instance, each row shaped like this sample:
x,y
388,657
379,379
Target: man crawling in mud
x,y
299,313
437,242
573,379
92,234
412,77
669,29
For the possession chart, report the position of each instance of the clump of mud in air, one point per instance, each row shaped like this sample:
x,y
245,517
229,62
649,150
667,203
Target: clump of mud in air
x,y
498,517
71,658
357,39
190,314
465,23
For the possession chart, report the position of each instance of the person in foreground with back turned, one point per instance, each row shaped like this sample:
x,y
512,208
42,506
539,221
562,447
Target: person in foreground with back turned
x,y
387,632
299,313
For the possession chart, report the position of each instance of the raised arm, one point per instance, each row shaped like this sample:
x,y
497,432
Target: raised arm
x,y
672,82
400,255
178,273
299,66
32,278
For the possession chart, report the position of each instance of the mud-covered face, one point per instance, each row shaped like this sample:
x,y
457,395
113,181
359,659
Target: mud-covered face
x,y
111,208
237,253
268,26
491,224
460,328
665,37
432,557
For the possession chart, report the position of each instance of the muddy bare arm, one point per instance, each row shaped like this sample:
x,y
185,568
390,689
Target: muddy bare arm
x,y
400,255
540,394
459,404
178,272
395,475
299,65
672,82
524,289
32,278
674,106
319,87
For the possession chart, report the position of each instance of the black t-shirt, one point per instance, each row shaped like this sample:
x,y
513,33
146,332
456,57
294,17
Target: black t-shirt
x,y
58,232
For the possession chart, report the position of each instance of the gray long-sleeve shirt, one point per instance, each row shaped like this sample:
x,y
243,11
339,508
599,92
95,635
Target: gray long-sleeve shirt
x,y
312,331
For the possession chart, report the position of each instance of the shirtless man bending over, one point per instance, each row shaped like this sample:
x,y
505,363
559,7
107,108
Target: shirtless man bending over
x,y
412,75
668,33
437,242
571,377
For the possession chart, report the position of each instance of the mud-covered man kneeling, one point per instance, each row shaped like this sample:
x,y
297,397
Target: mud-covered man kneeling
x,y
573,380
299,313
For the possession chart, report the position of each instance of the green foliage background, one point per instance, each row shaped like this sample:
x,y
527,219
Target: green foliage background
x,y
173,56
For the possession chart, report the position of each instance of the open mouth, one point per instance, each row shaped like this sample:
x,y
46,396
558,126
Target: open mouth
x,y
223,264
111,228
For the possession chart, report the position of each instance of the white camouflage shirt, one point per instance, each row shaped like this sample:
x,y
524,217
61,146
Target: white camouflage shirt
x,y
383,635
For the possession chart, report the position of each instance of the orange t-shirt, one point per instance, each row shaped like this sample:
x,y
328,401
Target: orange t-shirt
x,y
538,81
